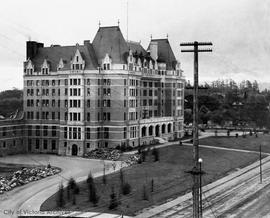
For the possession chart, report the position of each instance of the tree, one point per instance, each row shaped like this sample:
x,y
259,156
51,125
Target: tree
x,y
60,196
145,195
104,179
155,152
93,197
126,188
113,200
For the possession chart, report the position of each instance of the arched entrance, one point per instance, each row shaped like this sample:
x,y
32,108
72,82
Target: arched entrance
x,y
157,130
74,150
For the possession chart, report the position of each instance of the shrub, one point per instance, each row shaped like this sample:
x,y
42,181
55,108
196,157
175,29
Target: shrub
x,y
60,196
76,190
121,177
126,189
104,179
90,178
143,155
68,193
93,197
113,200
123,148
74,200
71,183
155,152
145,196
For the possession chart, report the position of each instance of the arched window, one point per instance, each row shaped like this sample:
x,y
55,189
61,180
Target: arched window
x,y
169,127
163,128
144,131
150,130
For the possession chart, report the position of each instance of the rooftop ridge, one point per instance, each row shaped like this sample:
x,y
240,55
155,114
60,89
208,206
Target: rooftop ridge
x,y
130,41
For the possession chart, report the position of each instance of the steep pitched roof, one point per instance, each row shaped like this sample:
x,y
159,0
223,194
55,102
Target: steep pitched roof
x,y
110,40
54,54
165,53
136,47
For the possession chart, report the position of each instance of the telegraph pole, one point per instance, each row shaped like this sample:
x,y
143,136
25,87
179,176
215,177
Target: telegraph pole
x,y
196,170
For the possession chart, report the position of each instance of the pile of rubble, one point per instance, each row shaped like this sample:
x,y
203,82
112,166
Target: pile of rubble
x,y
24,176
104,154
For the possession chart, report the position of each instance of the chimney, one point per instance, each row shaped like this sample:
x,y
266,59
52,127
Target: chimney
x,y
86,42
154,50
32,48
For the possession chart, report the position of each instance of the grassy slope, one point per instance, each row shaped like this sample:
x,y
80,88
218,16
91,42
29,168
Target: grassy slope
x,y
169,177
249,143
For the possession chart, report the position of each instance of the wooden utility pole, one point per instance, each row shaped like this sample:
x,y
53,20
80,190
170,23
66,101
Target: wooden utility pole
x,y
196,171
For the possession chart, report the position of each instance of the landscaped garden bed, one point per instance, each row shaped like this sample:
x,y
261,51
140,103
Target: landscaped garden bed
x,y
156,180
12,176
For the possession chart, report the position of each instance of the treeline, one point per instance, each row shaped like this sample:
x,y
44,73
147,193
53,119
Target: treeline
x,y
10,102
225,101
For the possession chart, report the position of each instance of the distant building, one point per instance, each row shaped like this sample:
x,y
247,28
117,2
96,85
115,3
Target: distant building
x,y
107,93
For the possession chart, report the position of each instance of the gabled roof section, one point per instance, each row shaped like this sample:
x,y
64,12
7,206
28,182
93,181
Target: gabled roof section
x,y
165,53
136,47
54,54
109,40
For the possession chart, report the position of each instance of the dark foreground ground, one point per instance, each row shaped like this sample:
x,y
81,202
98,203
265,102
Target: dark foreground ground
x,y
169,176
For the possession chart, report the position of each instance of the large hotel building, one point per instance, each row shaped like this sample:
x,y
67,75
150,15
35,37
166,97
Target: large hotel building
x,y
106,93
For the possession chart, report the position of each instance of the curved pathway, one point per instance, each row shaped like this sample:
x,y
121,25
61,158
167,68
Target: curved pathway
x,y
27,199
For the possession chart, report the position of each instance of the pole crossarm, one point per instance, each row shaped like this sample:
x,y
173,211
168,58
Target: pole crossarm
x,y
199,50
193,43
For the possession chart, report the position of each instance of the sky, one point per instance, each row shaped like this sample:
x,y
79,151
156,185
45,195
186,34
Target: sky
x,y
239,31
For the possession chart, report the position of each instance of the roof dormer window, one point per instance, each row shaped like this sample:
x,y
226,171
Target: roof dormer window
x,y
60,65
77,63
29,68
45,67
106,64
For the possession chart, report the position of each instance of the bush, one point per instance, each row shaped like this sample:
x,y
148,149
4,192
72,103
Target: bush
x,y
123,148
155,152
60,196
145,196
129,148
93,197
74,200
76,190
90,178
68,193
113,201
143,155
104,179
121,175
72,183
126,189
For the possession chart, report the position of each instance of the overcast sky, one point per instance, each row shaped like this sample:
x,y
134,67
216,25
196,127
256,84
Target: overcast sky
x,y
239,30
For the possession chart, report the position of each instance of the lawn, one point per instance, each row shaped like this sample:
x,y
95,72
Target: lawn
x,y
249,143
168,174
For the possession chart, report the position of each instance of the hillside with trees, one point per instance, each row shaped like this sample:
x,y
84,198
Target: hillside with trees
x,y
10,102
224,102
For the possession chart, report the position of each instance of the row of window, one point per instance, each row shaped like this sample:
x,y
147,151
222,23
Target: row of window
x,y
42,144
41,130
12,131
44,115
